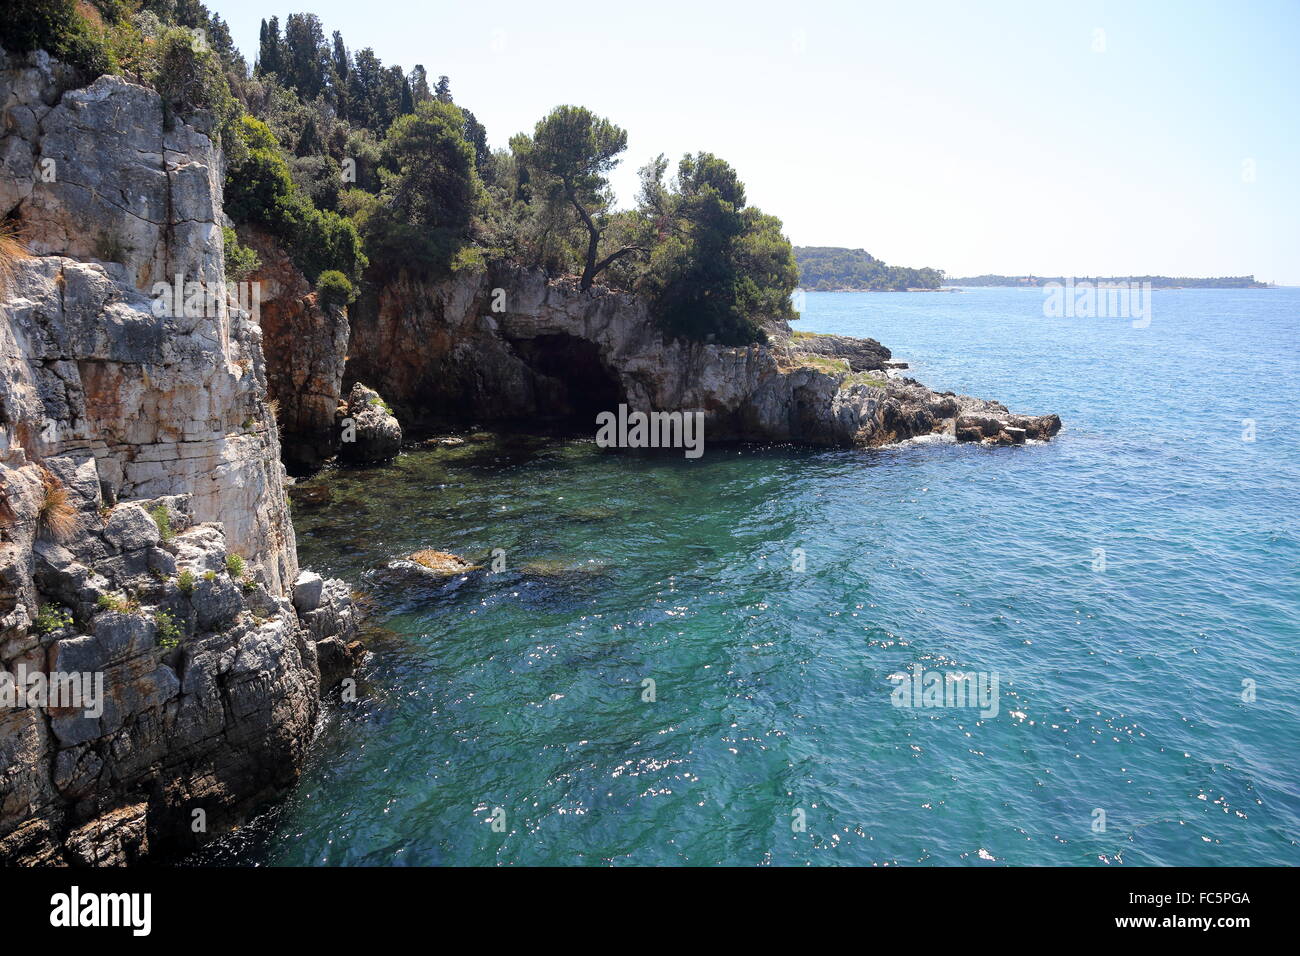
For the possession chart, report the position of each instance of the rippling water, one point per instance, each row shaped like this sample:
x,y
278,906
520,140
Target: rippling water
x,y
1120,689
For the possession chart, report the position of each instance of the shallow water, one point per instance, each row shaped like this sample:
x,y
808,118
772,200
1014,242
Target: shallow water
x,y
1119,689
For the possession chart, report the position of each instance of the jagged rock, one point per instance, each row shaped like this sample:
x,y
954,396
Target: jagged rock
x,y
558,352
130,528
1005,430
374,431
307,591
306,347
118,838
337,661
138,414
335,616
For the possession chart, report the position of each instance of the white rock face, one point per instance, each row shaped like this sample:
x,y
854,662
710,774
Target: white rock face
x,y
95,175
150,427
166,406
171,404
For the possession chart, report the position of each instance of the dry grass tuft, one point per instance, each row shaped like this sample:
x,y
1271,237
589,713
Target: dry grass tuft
x,y
56,517
12,251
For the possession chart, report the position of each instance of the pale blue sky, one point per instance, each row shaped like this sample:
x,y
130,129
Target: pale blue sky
x,y
975,138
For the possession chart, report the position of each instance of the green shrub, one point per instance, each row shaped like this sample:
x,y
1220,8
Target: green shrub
x,y
169,630
235,566
256,184
241,261
185,581
260,189
52,617
57,27
189,79
163,519
334,288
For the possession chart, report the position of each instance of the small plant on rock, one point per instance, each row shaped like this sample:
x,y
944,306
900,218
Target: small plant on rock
x,y
235,566
56,516
52,617
185,581
116,604
169,630
163,519
110,248
12,251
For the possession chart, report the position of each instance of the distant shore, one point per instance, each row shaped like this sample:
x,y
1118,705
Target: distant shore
x,y
1157,282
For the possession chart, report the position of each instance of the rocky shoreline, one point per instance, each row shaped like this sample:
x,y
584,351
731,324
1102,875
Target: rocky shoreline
x,y
511,348
145,532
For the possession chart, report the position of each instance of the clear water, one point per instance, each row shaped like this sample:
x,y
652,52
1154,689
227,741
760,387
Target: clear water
x,y
1120,689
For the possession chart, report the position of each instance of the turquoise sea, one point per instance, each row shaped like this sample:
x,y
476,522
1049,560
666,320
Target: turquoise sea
x,y
1124,684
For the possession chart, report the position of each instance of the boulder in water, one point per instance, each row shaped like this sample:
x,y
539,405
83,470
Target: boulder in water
x,y
370,430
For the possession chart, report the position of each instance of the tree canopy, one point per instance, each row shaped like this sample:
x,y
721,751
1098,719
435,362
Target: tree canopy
x,y
361,167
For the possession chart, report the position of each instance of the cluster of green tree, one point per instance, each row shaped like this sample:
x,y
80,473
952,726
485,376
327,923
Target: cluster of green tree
x,y
1157,282
153,42
823,268
366,170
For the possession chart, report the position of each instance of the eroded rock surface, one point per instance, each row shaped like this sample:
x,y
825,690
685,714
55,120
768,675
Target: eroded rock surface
x,y
306,346
145,537
368,429
512,345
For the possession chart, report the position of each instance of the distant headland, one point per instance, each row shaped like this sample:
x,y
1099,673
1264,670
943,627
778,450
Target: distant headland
x,y
837,269
1157,282
832,269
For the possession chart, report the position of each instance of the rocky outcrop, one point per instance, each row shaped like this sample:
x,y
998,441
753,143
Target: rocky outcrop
x,y
306,345
95,174
862,355
210,679
145,538
512,345
368,429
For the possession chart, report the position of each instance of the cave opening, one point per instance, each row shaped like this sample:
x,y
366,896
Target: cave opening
x,y
571,381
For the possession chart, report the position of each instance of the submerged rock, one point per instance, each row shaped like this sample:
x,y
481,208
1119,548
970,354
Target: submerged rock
x,y
311,495
442,564
558,568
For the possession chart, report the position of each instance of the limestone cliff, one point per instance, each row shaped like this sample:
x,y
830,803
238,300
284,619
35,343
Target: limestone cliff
x,y
510,345
145,537
306,345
